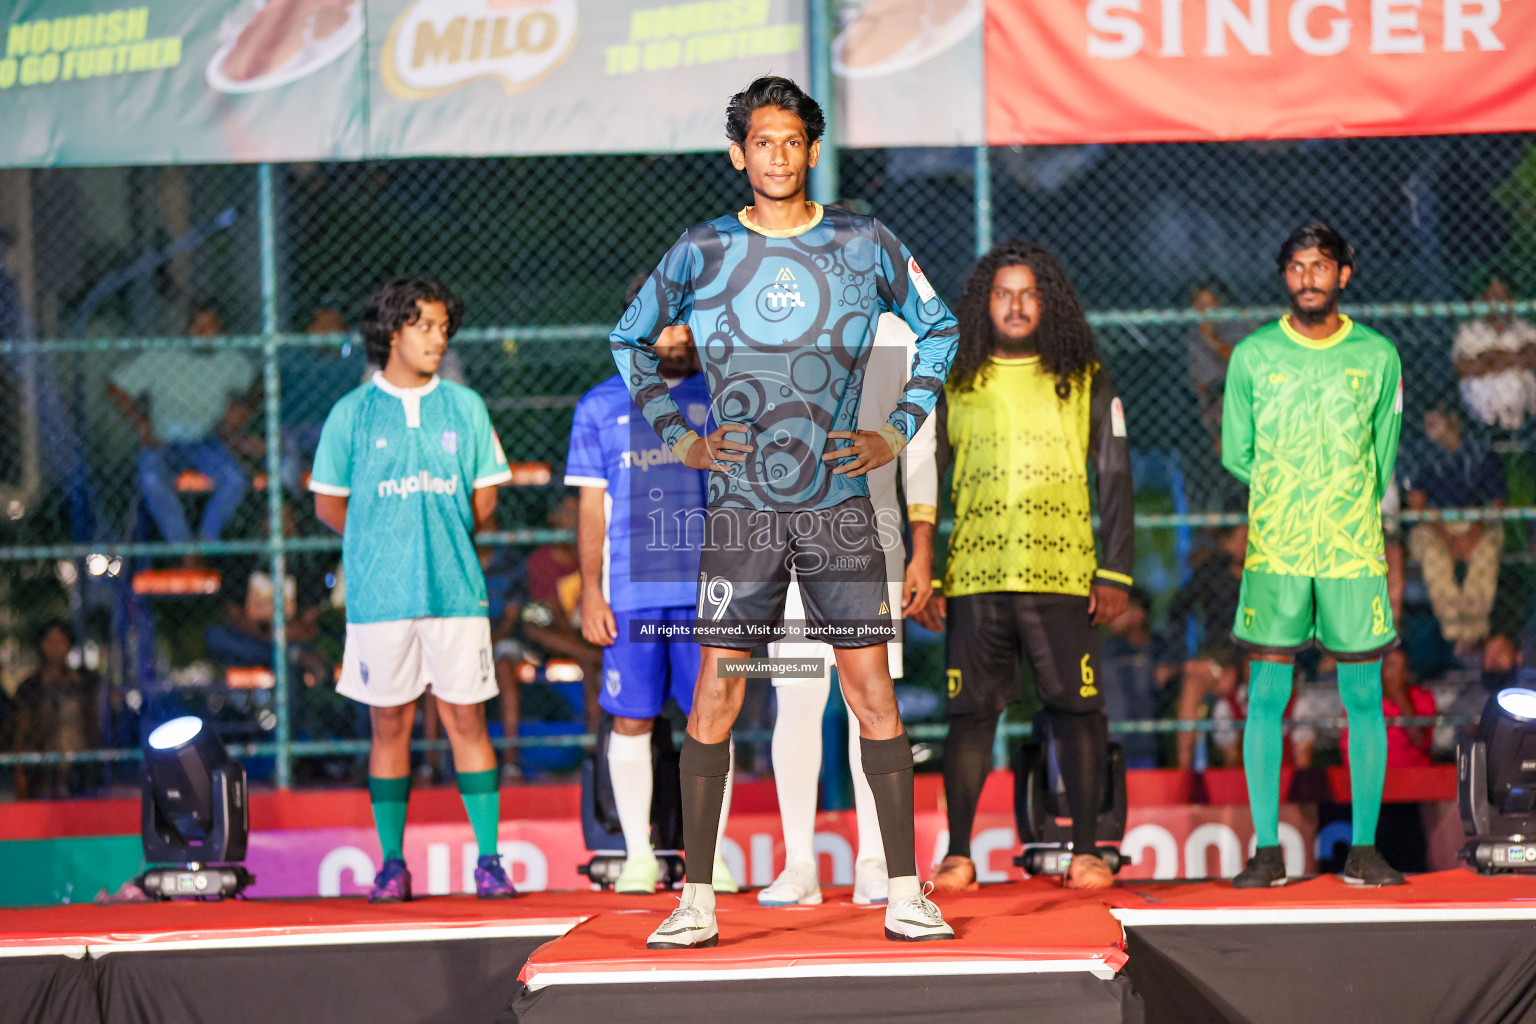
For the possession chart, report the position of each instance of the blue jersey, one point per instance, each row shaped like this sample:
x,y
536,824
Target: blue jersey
x,y
784,323
408,461
651,496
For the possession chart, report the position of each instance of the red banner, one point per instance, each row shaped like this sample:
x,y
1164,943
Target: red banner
x,y
1078,71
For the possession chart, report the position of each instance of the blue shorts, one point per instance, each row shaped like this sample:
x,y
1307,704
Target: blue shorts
x,y
639,675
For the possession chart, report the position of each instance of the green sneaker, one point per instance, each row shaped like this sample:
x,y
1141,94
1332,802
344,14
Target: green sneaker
x,y
723,880
639,876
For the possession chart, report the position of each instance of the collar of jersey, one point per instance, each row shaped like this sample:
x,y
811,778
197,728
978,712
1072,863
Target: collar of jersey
x,y
746,222
389,389
1345,324
1014,360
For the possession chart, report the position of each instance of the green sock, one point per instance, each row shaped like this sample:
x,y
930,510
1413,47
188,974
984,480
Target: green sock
x,y
1360,689
389,798
1269,691
482,799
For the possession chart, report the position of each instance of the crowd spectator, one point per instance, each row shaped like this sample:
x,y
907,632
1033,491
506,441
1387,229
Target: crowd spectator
x,y
553,618
1494,357
242,638
1132,673
1211,686
1210,349
1453,469
1210,594
57,710
187,407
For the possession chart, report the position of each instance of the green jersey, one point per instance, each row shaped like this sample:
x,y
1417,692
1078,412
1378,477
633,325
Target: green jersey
x,y
408,461
1311,427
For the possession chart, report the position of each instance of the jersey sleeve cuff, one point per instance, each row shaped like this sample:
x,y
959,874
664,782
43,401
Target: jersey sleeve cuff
x,y
681,446
585,481
502,477
331,489
922,514
1112,578
893,437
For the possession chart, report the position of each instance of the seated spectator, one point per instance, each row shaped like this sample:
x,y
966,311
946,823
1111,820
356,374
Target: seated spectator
x,y
243,636
1131,675
1314,710
1213,685
58,710
1494,357
1210,349
1455,470
186,408
1212,590
314,378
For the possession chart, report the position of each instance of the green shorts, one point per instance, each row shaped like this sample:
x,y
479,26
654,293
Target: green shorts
x,y
1350,619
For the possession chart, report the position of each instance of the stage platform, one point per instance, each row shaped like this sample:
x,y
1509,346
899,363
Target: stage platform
x,y
1447,947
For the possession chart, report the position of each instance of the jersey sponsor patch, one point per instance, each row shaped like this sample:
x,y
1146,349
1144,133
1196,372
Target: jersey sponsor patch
x,y
920,280
1117,418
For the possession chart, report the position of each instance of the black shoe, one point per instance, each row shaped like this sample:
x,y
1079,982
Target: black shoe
x,y
1366,866
1265,868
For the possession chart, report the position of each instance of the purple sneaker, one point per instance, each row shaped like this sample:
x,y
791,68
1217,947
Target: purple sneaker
x,y
491,881
392,884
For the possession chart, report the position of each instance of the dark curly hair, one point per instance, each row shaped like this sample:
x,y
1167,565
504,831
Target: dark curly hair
x,y
394,305
1063,337
772,91
1317,235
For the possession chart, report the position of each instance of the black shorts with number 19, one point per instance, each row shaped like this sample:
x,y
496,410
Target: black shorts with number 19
x,y
749,557
990,635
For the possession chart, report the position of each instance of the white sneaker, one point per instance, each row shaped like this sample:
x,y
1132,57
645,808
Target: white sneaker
x,y
871,884
638,876
721,879
687,927
796,886
916,920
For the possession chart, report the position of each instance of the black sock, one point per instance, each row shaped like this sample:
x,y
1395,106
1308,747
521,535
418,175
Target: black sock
x,y
701,769
888,767
1082,745
967,762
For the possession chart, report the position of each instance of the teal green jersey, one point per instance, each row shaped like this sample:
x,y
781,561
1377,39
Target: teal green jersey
x,y
1311,427
408,462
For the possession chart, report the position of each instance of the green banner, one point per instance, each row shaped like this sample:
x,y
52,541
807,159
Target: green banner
x,y
476,77
181,81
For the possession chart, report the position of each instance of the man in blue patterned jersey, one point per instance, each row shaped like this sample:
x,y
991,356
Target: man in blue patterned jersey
x,y
406,472
638,578
782,300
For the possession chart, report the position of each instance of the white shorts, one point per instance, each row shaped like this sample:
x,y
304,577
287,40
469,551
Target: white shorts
x,y
387,664
794,609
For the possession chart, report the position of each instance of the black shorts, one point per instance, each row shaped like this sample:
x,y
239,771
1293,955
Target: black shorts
x,y
747,561
989,635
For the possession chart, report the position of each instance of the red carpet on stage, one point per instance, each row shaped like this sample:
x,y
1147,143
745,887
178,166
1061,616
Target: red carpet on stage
x,y
1450,947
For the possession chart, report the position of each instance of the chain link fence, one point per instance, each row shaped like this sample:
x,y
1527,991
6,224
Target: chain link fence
x,y
172,339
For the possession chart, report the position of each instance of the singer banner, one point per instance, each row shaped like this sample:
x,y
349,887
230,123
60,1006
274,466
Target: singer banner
x,y
1199,70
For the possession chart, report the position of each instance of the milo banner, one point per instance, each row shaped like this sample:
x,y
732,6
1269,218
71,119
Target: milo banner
x,y
181,81
569,76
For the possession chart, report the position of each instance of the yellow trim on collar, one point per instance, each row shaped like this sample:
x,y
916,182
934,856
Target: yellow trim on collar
x,y
1345,325
746,222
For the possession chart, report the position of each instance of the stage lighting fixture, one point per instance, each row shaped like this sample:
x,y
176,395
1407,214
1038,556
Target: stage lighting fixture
x,y
196,818
1496,784
600,815
1043,814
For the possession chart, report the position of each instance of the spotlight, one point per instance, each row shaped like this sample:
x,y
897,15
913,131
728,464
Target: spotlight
x,y
196,818
1043,814
1496,784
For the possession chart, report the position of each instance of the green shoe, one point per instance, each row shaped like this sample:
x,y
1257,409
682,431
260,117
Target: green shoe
x,y
639,875
723,880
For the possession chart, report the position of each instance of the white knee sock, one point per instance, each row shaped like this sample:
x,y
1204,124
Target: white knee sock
x,y
631,775
797,762
871,845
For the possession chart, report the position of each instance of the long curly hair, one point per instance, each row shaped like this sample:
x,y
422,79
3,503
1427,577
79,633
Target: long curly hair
x,y
1063,338
394,305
